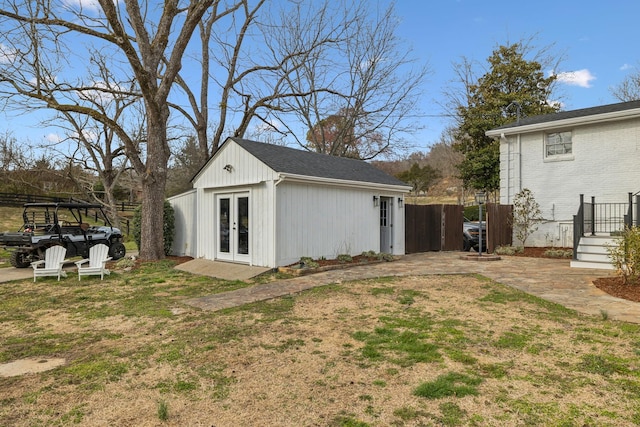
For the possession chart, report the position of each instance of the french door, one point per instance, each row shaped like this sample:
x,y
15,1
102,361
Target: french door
x,y
233,227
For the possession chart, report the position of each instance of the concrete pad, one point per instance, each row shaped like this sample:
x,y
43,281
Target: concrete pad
x,y
29,366
221,270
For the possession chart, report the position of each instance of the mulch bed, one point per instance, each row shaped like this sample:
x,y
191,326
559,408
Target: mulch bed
x,y
615,287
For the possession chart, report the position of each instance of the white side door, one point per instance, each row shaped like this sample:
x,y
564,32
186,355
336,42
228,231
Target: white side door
x,y
386,224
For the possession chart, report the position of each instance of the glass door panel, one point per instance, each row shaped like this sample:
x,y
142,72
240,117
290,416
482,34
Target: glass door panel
x,y
243,225
224,212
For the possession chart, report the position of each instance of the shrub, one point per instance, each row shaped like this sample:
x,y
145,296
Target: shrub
x,y
385,257
308,262
344,258
168,226
509,250
625,255
472,212
558,253
526,215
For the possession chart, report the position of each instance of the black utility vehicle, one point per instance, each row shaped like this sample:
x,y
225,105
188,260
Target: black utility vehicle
x,y
66,224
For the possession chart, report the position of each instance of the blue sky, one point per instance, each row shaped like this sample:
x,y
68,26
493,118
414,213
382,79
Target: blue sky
x,y
599,40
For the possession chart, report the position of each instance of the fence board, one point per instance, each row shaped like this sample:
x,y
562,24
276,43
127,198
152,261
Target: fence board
x,y
453,219
499,225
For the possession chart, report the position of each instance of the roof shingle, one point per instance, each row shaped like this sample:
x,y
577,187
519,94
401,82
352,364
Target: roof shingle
x,y
305,163
583,112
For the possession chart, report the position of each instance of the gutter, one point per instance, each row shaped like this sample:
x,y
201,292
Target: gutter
x,y
341,182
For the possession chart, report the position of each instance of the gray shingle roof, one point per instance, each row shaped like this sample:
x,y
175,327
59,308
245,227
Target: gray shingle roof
x,y
299,162
583,112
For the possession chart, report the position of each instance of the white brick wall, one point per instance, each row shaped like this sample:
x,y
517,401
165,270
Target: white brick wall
x,y
605,164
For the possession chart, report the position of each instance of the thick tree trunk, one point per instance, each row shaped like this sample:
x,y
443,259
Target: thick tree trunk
x,y
151,235
112,204
154,181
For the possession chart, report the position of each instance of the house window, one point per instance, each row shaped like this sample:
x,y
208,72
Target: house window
x,y
558,144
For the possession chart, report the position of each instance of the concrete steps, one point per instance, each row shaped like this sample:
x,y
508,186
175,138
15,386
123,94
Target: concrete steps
x,y
592,252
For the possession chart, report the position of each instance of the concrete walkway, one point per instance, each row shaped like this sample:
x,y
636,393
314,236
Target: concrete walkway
x,y
221,270
550,279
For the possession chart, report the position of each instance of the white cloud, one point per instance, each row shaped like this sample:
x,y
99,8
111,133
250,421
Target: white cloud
x,y
89,135
582,78
91,5
7,55
53,138
270,126
101,94
626,67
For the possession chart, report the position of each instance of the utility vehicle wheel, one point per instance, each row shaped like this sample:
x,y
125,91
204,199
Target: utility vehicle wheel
x,y
117,250
20,260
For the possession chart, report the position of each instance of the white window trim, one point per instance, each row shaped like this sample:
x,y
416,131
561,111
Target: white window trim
x,y
556,157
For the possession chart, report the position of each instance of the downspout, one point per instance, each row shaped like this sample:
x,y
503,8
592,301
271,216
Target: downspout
x,y
504,139
519,163
275,220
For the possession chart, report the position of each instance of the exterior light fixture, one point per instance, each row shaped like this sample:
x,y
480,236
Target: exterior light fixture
x,y
228,168
376,201
400,202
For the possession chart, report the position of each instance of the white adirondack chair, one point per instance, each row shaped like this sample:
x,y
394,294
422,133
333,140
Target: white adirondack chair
x,y
52,263
98,257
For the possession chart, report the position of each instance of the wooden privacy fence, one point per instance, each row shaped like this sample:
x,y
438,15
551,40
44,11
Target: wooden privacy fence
x,y
439,227
433,228
499,225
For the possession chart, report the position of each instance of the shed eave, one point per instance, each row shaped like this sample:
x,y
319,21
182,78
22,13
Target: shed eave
x,y
343,183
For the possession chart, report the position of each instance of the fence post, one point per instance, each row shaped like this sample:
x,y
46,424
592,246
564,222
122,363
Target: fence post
x,y
576,235
578,227
593,215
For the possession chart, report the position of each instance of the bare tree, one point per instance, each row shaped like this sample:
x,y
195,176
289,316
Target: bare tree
x,y
316,60
93,145
15,163
248,82
364,77
629,88
444,157
145,43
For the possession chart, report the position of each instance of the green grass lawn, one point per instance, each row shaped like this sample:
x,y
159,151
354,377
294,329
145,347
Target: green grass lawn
x,y
412,351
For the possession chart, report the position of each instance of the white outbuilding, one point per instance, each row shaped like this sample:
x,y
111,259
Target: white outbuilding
x,y
268,205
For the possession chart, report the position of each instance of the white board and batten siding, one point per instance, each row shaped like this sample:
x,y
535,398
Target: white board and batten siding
x,y
290,216
324,221
185,238
247,174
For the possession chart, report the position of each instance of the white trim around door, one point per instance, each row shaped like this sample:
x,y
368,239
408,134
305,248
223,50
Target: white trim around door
x,y
233,227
